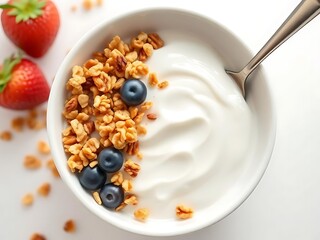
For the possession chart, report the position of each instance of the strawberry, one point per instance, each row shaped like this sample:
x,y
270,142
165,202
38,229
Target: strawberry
x,y
22,84
32,25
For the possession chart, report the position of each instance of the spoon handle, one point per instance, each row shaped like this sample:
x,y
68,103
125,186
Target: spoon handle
x,y
301,15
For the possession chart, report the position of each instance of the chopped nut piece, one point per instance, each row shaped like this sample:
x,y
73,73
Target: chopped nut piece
x,y
131,168
6,135
142,55
44,189
27,199
43,147
71,105
37,236
132,148
89,127
155,40
141,214
96,197
152,116
69,226
163,84
32,162
184,212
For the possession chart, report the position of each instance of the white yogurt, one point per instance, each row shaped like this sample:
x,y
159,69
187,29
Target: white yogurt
x,y
197,148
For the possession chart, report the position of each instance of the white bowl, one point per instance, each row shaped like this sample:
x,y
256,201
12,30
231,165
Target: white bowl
x,y
234,55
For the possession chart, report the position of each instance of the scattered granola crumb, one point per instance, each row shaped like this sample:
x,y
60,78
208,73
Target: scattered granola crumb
x,y
37,236
184,212
27,199
87,4
6,136
96,197
141,214
44,189
153,79
31,162
163,84
35,120
52,167
43,147
99,2
152,116
18,124
69,226
73,8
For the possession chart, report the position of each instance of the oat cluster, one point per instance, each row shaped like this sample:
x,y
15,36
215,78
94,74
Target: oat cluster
x,y
184,212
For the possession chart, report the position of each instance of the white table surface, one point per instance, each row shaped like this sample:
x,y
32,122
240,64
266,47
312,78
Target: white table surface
x,y
286,203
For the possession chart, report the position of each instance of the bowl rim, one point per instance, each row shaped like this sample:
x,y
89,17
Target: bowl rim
x,y
65,175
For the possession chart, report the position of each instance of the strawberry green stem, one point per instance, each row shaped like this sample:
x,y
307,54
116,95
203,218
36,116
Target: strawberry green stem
x,y
5,73
7,6
24,10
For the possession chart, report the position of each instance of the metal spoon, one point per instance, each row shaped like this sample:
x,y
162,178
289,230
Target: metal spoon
x,y
301,15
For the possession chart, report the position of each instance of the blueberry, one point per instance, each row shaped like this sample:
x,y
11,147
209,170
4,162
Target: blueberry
x,y
110,160
133,92
111,195
92,178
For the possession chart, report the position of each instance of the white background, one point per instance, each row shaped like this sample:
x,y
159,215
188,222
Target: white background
x,y
284,206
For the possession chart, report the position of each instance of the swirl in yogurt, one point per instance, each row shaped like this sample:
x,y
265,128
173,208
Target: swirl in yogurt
x,y
195,150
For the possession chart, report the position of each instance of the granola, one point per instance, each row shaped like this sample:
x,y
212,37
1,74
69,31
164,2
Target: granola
x,y
37,236
43,147
6,136
32,162
27,199
184,212
69,226
44,189
141,214
97,117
